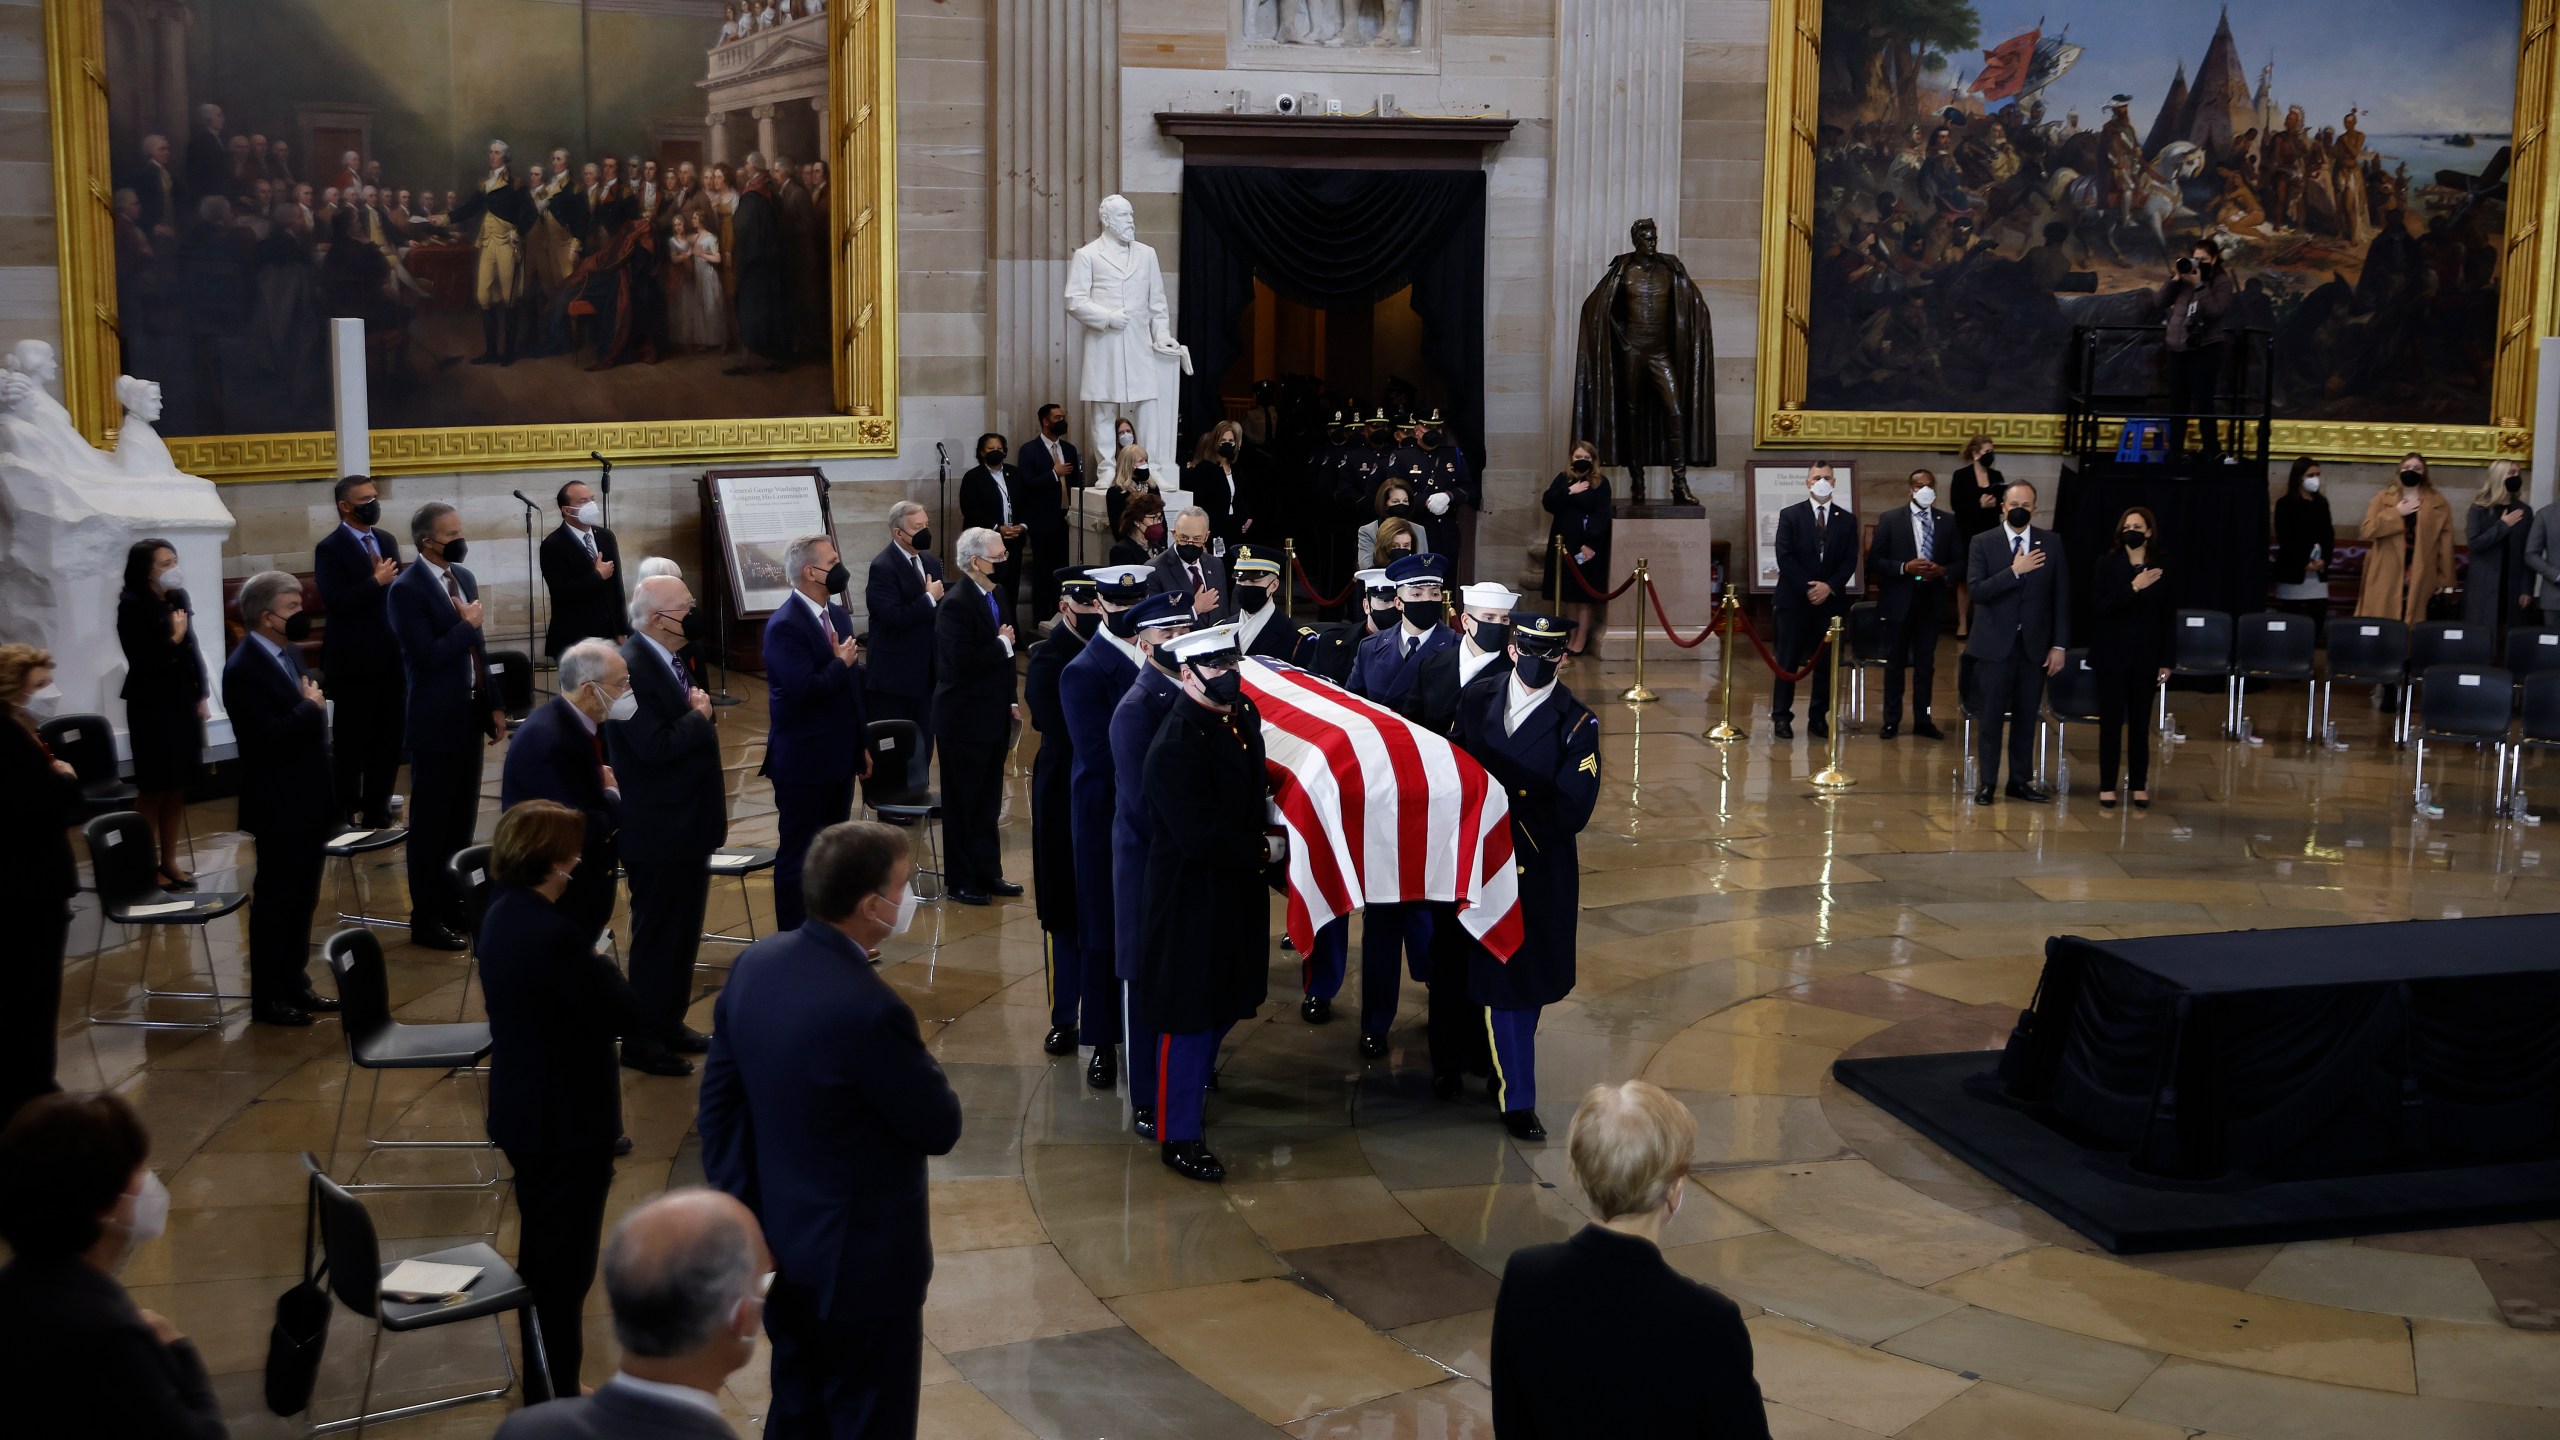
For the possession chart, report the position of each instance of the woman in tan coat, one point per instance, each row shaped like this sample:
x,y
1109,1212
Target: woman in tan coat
x,y
2408,530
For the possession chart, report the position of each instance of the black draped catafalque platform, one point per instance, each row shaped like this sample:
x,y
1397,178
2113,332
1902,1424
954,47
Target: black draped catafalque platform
x,y
2265,1085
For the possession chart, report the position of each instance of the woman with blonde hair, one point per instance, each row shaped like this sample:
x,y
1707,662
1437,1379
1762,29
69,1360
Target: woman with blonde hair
x,y
2498,588
1392,537
2408,530
1598,1335
35,853
1393,501
1973,497
1131,476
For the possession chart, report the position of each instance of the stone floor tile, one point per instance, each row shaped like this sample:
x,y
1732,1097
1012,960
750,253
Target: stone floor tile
x,y
1800,1366
1787,1277
2260,1406
2014,1352
961,1412
2356,1277
1391,1283
1450,1410
1463,1343
1487,1222
1852,1209
2488,1362
1995,1412
1299,1214
1786,1422
1124,1223
996,1297
1701,1058
982,1214
1280,1351
1104,1382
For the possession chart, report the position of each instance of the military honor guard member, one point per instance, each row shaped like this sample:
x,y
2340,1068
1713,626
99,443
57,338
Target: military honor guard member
x,y
1203,957
1542,746
1384,670
1158,620
1254,571
1089,690
1081,990
1336,646
1484,618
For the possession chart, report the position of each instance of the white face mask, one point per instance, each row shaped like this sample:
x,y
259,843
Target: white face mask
x,y
1924,497
43,701
906,910
2310,484
590,514
1821,489
622,706
149,1218
173,579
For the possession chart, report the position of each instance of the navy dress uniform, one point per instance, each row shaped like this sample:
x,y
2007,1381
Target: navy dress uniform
x,y
1384,670
1204,946
1260,627
1089,691
1482,658
1483,649
1330,655
814,746
1134,722
1071,976
1542,746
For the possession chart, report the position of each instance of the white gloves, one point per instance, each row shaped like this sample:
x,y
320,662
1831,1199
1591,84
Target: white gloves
x,y
1437,504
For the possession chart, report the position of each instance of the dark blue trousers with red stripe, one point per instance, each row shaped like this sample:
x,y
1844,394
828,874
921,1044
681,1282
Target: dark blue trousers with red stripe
x,y
1082,990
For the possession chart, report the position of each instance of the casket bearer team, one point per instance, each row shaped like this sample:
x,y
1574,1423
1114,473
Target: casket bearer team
x,y
1542,746
1081,998
1384,670
1331,656
1207,911
1261,629
1482,658
1089,691
1160,619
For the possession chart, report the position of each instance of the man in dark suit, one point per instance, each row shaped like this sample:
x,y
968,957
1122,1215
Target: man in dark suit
x,y
284,794
819,1107
582,570
682,1274
814,747
973,712
558,754
991,499
1910,565
1187,566
2021,626
899,594
354,565
1817,556
208,155
1045,482
1079,981
675,813
454,716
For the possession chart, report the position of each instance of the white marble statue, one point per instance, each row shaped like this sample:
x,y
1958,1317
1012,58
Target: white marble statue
x,y
1385,24
1132,365
35,430
140,452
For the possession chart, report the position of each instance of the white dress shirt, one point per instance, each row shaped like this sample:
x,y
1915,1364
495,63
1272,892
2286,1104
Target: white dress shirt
x,y
1249,626
1471,661
1520,700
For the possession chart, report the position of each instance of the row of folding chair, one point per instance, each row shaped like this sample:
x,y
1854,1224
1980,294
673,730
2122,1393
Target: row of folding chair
x,y
2274,646
2477,706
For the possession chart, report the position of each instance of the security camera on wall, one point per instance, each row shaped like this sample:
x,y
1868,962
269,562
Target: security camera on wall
x,y
1286,104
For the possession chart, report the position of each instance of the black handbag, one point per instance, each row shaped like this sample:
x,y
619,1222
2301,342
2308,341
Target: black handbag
x,y
301,1330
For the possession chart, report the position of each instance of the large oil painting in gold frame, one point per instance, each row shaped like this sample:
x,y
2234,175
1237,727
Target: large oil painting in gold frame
x,y
844,385
2525,253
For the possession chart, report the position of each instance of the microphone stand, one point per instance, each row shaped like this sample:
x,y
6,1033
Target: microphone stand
x,y
942,490
604,486
532,590
721,698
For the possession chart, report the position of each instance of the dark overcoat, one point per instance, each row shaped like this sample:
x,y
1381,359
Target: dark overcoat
x,y
1204,957
1549,771
1053,848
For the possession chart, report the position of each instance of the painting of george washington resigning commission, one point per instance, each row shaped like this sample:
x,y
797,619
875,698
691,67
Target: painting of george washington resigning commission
x,y
544,212
1989,174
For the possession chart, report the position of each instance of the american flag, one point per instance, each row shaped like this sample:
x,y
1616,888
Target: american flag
x,y
1379,810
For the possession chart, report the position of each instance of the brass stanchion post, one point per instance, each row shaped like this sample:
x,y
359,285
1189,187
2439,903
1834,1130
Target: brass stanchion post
x,y
1289,586
1555,579
1636,693
1722,732
1831,776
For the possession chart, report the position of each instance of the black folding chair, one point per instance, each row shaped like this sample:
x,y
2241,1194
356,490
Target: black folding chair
x,y
2070,698
87,743
2531,650
894,744
470,869
511,674
2541,732
1868,650
2464,705
2366,651
344,849
127,872
2200,649
356,1272
739,863
2443,642
2274,646
376,1042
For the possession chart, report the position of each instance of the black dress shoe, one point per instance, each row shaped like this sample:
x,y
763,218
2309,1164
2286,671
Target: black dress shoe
x,y
315,1002
1061,1040
1315,1011
1102,1069
1818,728
1191,1158
1373,1047
1447,1084
621,1146
655,1060
967,897
2020,790
690,1041
1982,796
1143,1120
1927,731
1523,1125
1888,730
1783,728
1006,888
428,935
278,1012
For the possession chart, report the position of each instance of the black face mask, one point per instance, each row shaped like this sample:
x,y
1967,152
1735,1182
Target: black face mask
x,y
1423,614
691,625
2020,516
2134,539
297,626
1534,670
1085,623
1141,476
1226,687
1251,598
922,539
2412,477
1123,623
1401,510
1492,635
1581,467
1057,429
1163,660
1187,554
992,459
1227,449
838,577
2515,483
369,513
1380,437
1433,437
455,549
1384,617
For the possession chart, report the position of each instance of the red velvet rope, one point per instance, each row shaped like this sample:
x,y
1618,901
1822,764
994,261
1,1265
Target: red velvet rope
x,y
1575,571
1672,635
1313,593
1771,660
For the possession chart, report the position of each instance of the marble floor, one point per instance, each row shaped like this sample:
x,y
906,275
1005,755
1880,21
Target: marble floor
x,y
1740,933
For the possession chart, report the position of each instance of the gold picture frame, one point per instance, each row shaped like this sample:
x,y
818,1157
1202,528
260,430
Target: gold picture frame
x,y
862,35
2528,307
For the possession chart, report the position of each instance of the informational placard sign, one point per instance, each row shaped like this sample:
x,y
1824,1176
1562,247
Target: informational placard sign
x,y
1774,487
760,513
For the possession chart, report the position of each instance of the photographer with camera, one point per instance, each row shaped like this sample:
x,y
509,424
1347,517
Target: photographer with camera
x,y
2198,301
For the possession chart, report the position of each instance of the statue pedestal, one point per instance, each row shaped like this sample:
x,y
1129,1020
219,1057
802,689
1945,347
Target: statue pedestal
x,y
65,547
1680,555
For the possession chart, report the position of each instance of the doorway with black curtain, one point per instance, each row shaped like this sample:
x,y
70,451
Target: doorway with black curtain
x,y
1353,280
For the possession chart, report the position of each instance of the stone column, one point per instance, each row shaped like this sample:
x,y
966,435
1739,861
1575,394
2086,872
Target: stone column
x,y
1056,144
1617,157
169,27
764,131
717,126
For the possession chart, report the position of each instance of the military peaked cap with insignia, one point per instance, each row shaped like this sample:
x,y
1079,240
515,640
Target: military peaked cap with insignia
x,y
1253,560
1215,645
1078,586
1539,634
1167,611
1120,584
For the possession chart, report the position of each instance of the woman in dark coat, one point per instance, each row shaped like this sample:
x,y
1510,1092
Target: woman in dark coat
x,y
2499,584
1973,496
35,853
556,1012
1213,484
1578,498
2130,651
2305,538
1138,534
164,695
